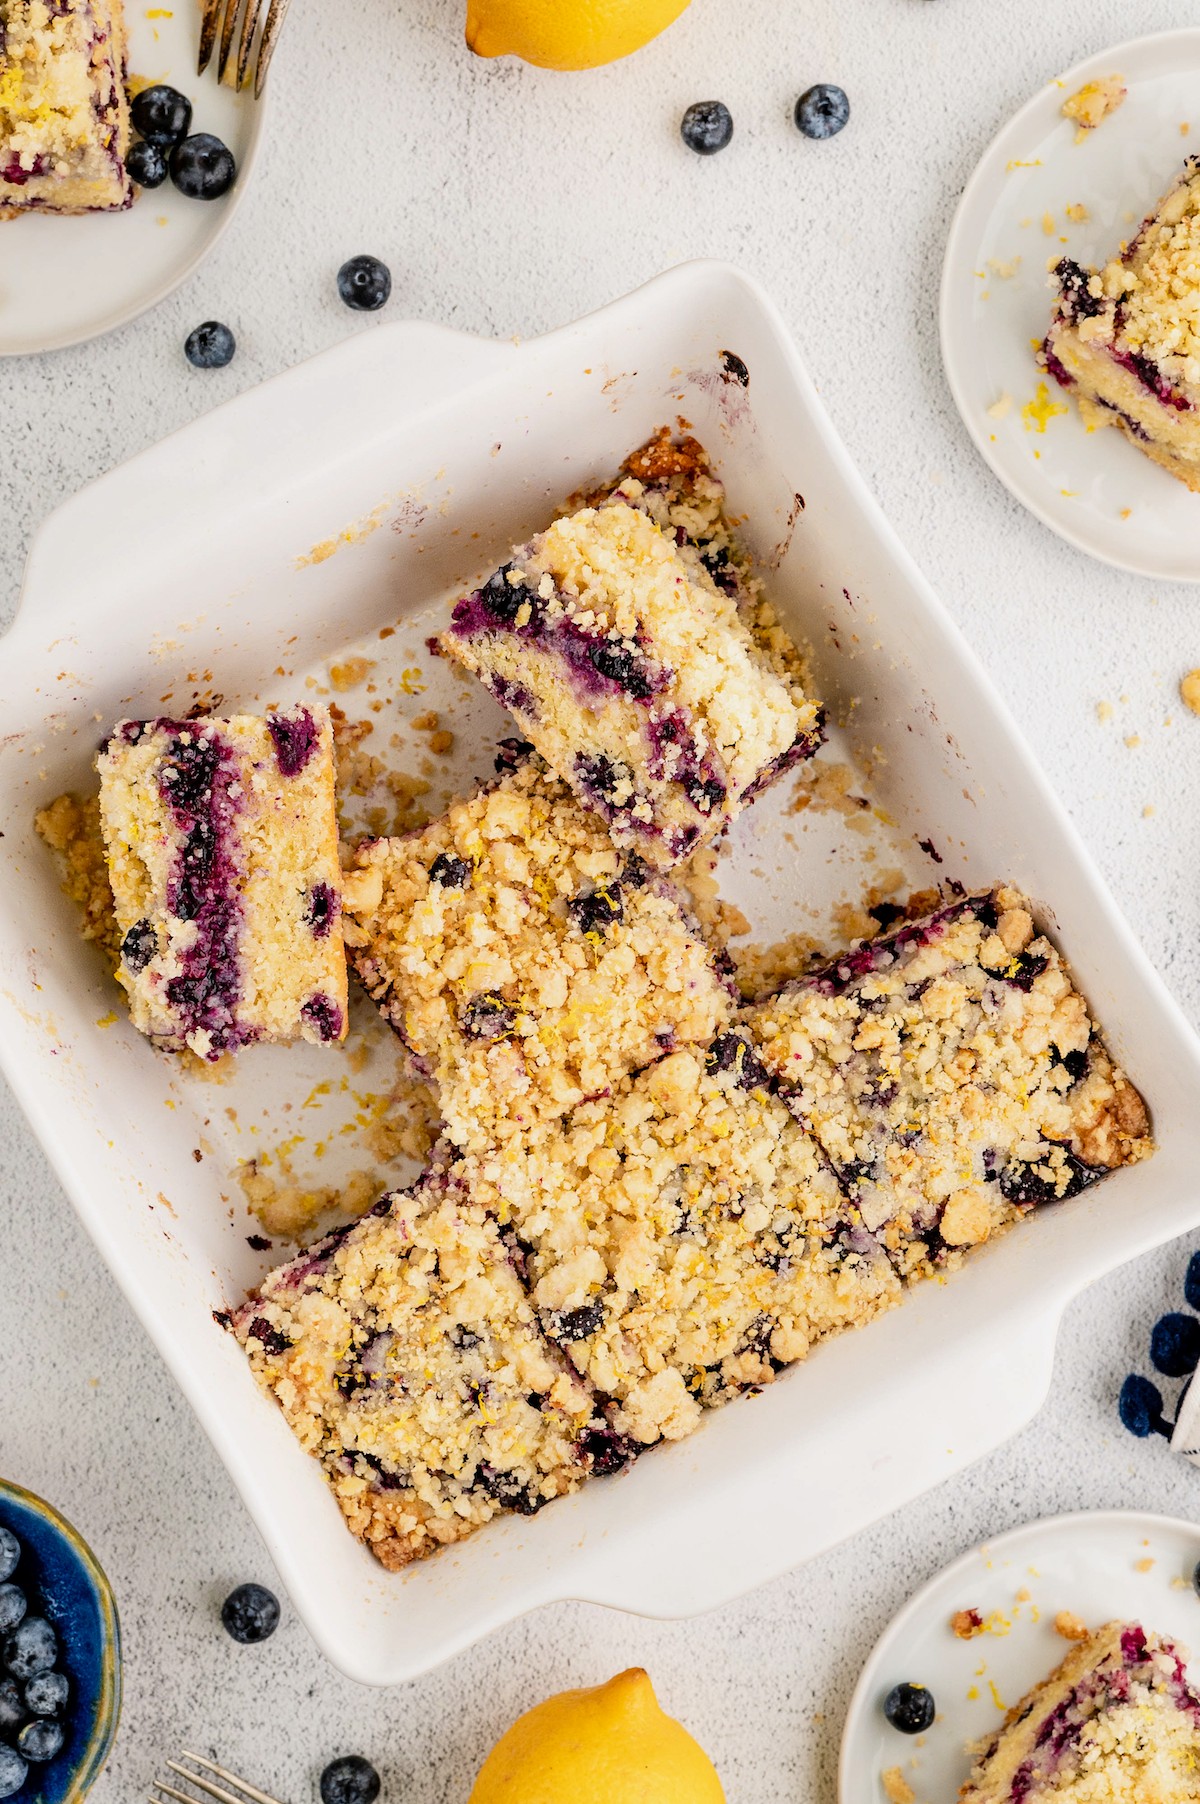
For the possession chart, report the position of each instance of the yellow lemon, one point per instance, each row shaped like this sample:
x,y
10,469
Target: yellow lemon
x,y
608,1745
566,34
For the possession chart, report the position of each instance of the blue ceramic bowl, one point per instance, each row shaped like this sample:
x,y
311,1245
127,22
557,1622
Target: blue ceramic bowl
x,y
67,1586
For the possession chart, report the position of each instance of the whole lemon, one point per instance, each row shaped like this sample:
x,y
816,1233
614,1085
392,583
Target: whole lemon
x,y
611,1744
566,34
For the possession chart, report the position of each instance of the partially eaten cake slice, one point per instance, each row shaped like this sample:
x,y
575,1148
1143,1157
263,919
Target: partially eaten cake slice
x,y
222,846
1116,1723
1126,339
636,678
64,112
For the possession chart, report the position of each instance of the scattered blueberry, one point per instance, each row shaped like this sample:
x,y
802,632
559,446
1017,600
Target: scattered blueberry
x,y
30,1649
706,127
40,1740
10,1553
822,111
161,114
147,164
12,1710
449,872
46,1694
13,1605
13,1771
350,1780
909,1708
1141,1407
364,283
1175,1345
210,347
202,167
251,1613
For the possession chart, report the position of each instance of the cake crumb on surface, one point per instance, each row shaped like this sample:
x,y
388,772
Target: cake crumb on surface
x,y
1189,691
1077,212
1146,1565
350,673
1093,103
1001,407
967,1624
896,1788
70,826
1070,1626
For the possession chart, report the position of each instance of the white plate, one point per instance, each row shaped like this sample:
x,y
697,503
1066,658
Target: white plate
x,y
63,281
1086,1563
1094,488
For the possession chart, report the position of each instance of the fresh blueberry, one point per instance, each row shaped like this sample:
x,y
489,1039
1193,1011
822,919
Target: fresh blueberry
x,y
10,1553
210,346
202,167
40,1740
251,1613
607,1451
139,946
30,1649
706,127
46,1694
364,283
147,164
12,1708
598,909
909,1708
1175,1345
13,1772
350,1780
449,872
13,1605
1140,1407
161,114
822,111
577,1324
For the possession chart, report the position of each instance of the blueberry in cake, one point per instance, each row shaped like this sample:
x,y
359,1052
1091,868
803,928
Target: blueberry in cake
x,y
222,847
1116,1723
1126,339
64,115
952,1077
407,1358
525,964
634,675
683,1239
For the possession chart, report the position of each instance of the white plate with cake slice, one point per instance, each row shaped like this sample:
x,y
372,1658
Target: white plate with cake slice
x,y
994,1624
66,278
1048,188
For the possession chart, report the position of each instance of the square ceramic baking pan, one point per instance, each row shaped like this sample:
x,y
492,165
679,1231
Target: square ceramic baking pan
x,y
359,492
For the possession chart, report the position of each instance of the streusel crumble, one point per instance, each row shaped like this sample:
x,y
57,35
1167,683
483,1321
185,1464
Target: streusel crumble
x,y
64,113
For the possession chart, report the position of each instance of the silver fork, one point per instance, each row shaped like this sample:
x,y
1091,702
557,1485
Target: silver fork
x,y
206,1786
220,21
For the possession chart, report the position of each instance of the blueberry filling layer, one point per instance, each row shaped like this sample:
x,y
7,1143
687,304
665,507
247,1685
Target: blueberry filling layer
x,y
296,736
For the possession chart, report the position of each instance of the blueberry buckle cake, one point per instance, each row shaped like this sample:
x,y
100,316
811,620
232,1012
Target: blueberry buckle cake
x,y
406,1357
1126,339
952,1077
64,114
222,847
1115,1723
634,675
525,963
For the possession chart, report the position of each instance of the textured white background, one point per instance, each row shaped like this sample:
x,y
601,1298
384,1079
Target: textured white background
x,y
506,201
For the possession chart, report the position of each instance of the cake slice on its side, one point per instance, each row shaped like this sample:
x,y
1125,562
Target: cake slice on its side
x,y
407,1359
222,849
953,1077
64,113
635,677
1115,1723
1126,340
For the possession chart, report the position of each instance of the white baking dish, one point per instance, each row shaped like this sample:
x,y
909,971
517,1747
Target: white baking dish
x,y
179,574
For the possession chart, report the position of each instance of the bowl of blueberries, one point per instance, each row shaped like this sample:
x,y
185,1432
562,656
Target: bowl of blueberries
x,y
60,1656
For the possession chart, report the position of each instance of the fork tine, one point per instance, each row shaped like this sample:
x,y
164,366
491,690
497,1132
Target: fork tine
x,y
249,24
169,1791
266,48
232,9
243,1785
208,33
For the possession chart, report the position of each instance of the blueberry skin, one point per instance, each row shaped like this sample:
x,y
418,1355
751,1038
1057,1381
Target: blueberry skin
x,y
706,127
202,167
910,1708
1140,1407
350,1780
210,347
30,1649
822,111
13,1605
1175,1345
147,164
161,115
364,283
46,1694
12,1709
10,1553
40,1740
251,1613
13,1772
1191,1283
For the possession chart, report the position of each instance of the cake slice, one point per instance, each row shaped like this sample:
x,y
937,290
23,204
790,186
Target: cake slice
x,y
635,677
953,1077
524,963
682,1238
407,1359
1115,1723
64,113
1126,339
222,846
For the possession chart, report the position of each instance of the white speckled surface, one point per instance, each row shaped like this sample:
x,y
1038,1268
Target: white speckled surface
x,y
505,201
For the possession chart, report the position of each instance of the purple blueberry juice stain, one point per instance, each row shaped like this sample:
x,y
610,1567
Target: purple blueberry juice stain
x,y
513,695
295,736
323,1015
